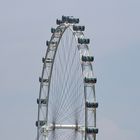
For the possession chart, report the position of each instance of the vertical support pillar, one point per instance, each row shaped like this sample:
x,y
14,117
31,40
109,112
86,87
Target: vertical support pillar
x,y
86,119
83,135
46,136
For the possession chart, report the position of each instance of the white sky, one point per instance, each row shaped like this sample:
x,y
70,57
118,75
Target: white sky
x,y
112,26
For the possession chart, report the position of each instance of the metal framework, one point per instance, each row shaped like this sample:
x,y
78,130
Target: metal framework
x,y
47,124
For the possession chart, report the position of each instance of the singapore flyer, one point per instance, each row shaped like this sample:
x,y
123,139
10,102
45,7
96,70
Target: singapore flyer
x,y
67,101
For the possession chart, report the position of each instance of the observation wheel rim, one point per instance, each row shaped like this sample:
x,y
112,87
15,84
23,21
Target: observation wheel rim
x,y
76,35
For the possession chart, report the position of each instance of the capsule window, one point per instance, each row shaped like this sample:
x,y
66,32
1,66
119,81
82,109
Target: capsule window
x,y
91,130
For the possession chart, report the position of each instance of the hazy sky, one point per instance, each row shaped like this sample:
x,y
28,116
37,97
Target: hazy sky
x,y
114,29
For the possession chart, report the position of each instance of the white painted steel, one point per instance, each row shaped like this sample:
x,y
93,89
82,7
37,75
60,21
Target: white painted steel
x,y
87,71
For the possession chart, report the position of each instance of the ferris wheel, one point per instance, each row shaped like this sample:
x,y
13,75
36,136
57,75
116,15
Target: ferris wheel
x,y
67,102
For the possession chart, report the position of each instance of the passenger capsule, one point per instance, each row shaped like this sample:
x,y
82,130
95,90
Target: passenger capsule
x,y
87,41
78,28
91,130
65,18
83,40
53,30
42,101
40,123
90,80
87,58
43,60
70,19
76,20
51,42
58,22
92,105
47,43
43,80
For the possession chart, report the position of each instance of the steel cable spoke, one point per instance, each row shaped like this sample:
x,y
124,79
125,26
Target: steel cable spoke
x,y
64,77
63,86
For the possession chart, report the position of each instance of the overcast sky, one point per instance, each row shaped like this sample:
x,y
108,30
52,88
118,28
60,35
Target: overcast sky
x,y
114,29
